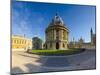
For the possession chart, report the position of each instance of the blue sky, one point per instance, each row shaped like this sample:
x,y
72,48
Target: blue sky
x,y
32,18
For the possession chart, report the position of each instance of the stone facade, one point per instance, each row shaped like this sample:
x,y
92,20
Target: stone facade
x,y
82,44
56,34
21,43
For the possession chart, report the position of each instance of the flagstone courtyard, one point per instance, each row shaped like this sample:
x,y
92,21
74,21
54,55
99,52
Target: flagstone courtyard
x,y
23,62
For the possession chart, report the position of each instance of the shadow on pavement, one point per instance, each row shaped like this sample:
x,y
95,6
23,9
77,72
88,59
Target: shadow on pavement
x,y
56,62
16,70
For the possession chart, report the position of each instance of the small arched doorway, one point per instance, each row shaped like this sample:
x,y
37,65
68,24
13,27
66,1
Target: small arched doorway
x,y
63,45
57,45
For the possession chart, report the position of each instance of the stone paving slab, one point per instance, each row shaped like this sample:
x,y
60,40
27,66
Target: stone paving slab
x,y
23,62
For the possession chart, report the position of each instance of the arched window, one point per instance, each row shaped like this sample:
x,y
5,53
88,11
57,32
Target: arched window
x,y
14,41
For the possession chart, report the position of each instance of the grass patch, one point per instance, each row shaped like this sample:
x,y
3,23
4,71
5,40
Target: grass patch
x,y
57,52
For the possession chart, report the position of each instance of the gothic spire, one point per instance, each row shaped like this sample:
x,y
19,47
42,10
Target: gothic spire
x,y
91,31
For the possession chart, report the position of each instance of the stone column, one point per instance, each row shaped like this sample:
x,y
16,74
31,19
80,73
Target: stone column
x,y
61,34
54,34
48,35
51,34
60,45
53,45
65,35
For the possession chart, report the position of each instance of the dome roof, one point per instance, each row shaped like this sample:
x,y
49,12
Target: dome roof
x,y
57,20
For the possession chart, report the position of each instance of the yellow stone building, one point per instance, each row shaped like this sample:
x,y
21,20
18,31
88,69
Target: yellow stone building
x,y
21,43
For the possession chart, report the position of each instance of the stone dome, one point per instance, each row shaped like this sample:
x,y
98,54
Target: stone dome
x,y
57,20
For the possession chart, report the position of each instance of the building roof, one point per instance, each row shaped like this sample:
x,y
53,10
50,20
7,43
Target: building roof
x,y
19,36
57,20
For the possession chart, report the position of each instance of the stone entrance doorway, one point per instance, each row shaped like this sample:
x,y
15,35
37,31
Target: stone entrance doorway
x,y
57,45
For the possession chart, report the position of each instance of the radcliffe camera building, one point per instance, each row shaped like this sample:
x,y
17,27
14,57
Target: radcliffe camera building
x,y
56,34
56,38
